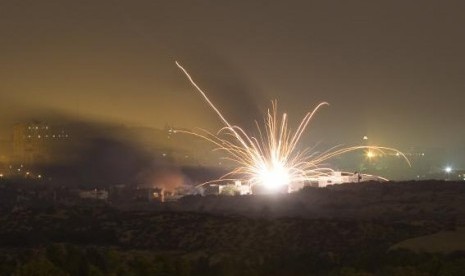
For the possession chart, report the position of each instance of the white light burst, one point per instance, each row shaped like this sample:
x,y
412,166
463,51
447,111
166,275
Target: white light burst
x,y
271,158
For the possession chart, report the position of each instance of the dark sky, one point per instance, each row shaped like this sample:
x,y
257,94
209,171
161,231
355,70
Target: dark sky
x,y
390,69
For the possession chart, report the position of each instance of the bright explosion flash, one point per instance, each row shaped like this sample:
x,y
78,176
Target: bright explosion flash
x,y
272,159
274,178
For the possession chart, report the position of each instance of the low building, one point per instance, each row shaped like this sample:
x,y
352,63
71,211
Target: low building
x,y
93,194
236,188
335,178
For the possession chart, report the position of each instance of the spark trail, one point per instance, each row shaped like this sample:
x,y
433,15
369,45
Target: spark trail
x,y
272,158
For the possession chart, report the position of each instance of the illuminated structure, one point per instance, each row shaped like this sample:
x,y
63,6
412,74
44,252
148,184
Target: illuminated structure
x,y
34,142
236,188
94,194
4,160
336,178
332,178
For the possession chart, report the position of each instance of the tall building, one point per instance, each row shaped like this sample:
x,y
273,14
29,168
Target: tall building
x,y
4,157
37,142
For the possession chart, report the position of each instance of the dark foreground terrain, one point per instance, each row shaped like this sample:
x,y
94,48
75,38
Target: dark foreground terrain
x,y
353,229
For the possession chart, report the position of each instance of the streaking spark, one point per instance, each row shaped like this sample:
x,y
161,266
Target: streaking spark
x,y
272,159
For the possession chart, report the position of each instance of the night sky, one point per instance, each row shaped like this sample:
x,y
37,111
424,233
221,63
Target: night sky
x,y
392,70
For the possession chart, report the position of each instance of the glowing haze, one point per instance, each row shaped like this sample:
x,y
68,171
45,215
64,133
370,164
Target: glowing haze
x,y
272,158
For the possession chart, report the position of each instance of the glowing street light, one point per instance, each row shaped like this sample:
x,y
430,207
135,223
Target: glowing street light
x,y
448,169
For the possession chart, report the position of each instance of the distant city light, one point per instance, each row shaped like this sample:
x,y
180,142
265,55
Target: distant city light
x,y
448,169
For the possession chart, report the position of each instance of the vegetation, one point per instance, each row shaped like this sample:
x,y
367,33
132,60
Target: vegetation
x,y
66,259
167,239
